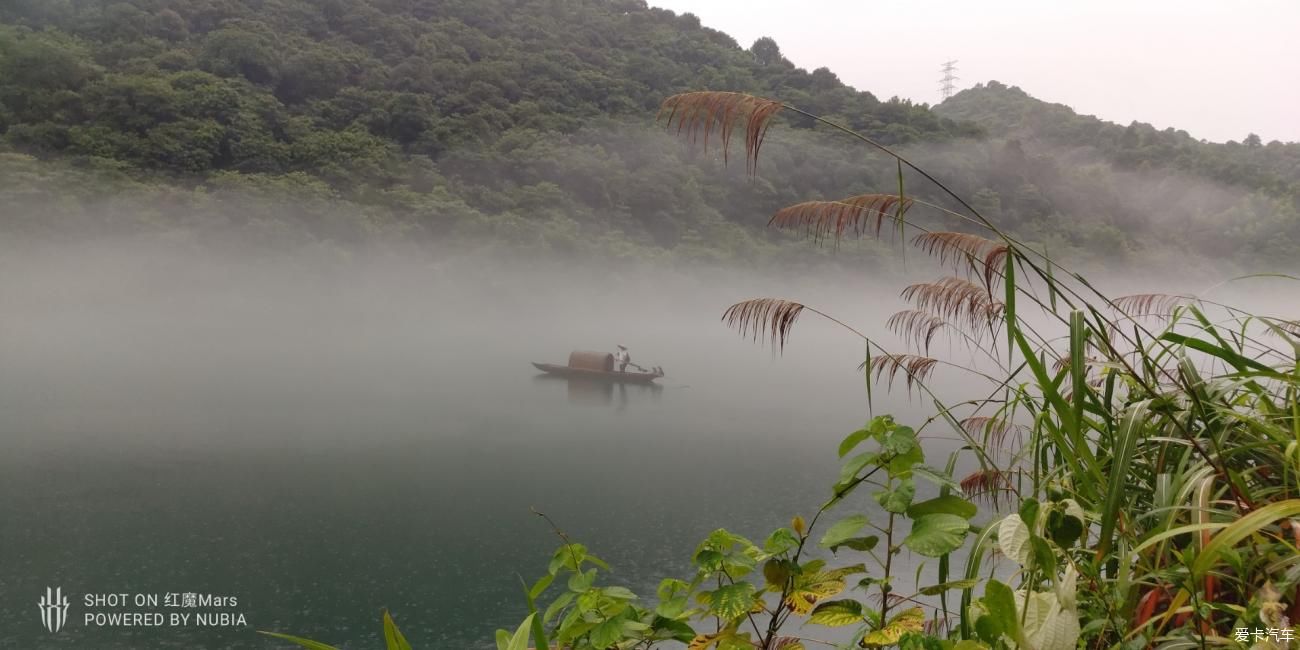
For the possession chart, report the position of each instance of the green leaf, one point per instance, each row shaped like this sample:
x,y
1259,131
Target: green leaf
x,y
861,543
540,586
777,572
780,541
619,593
580,582
1240,529
392,636
935,590
853,440
911,620
1001,605
854,465
1063,528
1013,539
306,643
1125,448
935,477
898,498
1029,511
607,633
1044,556
988,629
837,613
733,601
948,504
900,441
937,534
519,641
560,603
843,530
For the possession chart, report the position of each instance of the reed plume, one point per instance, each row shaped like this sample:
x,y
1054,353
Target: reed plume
x,y
764,315
955,299
981,255
916,326
699,115
860,214
916,368
1150,304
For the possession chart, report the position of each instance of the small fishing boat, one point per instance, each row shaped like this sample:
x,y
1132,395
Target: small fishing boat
x,y
597,366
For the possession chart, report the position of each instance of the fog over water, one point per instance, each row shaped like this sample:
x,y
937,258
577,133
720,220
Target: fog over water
x,y
323,440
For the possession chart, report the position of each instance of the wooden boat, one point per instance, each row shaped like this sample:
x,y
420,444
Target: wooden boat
x,y
598,375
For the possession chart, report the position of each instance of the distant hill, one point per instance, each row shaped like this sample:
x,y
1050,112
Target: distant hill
x,y
527,124
1011,112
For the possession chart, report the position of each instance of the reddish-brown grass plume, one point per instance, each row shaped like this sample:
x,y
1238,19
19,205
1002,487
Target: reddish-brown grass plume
x,y
916,326
980,255
955,300
915,368
860,214
772,316
1150,304
699,115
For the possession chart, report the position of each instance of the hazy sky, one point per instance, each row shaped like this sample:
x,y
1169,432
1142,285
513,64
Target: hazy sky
x,y
1219,70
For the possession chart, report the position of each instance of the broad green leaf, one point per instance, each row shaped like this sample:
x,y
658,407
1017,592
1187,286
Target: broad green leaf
x,y
306,643
911,620
1029,511
842,531
1001,605
861,543
580,582
393,637
519,641
812,588
777,572
947,504
672,608
1044,556
733,601
780,541
854,465
619,593
897,498
1064,528
937,534
853,440
607,633
837,613
560,603
900,441
1013,539
988,629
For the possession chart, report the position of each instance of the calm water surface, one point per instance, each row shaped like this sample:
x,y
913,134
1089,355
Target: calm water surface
x,y
323,450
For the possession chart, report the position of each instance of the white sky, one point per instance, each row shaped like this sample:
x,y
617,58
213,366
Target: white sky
x,y
1218,70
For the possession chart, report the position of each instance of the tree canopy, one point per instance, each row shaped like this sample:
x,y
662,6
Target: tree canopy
x,y
522,121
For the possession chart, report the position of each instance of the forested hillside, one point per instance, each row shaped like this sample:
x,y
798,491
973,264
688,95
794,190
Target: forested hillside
x,y
1238,200
520,122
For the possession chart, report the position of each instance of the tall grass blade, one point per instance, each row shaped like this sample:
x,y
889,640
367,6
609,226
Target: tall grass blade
x,y
1130,430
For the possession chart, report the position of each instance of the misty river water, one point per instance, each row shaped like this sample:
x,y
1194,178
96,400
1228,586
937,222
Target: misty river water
x,y
321,446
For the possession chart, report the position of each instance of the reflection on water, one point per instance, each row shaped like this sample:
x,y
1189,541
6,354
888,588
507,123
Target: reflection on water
x,y
594,392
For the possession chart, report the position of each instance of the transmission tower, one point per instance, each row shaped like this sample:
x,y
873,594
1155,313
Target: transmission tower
x,y
946,85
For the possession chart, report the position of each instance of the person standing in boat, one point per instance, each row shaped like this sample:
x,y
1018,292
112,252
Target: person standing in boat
x,y
622,358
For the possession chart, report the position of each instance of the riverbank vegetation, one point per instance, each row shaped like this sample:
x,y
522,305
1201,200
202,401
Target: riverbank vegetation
x,y
1136,463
